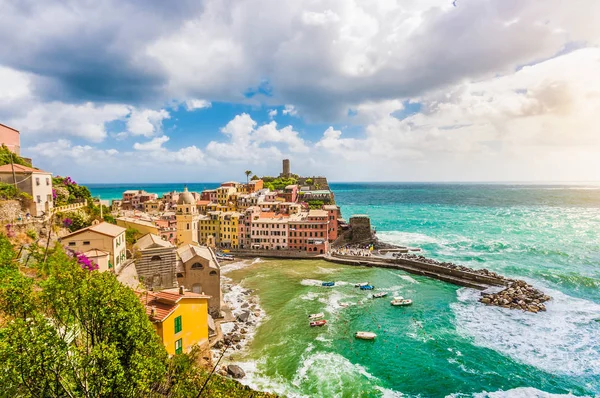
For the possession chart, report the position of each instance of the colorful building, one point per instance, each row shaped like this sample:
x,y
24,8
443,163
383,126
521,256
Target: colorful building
x,y
104,236
11,138
180,318
187,218
36,183
199,271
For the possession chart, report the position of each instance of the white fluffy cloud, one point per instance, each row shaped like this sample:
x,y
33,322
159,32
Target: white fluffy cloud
x,y
193,104
146,122
154,144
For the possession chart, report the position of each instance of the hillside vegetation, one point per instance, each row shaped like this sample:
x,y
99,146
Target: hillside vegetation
x,y
69,331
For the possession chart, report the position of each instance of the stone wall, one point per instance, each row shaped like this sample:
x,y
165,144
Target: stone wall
x,y
360,227
157,273
9,210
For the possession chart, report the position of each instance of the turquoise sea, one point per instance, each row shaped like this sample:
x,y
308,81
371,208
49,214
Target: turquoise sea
x,y
446,344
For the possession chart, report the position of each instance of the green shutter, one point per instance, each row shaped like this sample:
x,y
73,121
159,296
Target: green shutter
x,y
178,347
178,324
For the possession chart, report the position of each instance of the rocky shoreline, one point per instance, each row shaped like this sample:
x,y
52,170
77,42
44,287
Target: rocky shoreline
x,y
238,333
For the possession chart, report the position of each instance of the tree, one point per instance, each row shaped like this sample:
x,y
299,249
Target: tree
x,y
308,181
247,172
76,333
255,178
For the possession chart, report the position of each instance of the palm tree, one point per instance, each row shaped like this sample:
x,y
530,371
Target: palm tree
x,y
248,173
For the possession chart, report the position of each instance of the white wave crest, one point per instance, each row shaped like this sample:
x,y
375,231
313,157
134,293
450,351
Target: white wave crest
x,y
520,392
227,268
563,340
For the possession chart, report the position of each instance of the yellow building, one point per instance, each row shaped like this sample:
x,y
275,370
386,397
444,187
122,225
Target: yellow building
x,y
180,318
229,232
103,237
187,218
143,226
210,226
224,193
153,206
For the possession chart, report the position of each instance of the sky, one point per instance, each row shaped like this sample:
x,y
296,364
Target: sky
x,y
357,90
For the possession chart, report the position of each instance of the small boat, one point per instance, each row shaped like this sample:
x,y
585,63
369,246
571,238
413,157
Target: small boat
x,y
314,317
365,335
401,301
361,284
318,323
328,284
380,295
367,287
344,304
224,257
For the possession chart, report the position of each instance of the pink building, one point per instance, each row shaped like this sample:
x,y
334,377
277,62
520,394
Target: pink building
x,y
269,231
11,138
333,214
309,231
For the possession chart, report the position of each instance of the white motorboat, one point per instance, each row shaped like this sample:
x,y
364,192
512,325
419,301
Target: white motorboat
x,y
380,295
365,335
361,284
314,317
401,301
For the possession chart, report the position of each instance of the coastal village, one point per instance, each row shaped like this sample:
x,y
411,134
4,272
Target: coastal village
x,y
170,249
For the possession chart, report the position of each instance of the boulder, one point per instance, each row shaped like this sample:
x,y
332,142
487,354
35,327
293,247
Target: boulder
x,y
243,317
235,371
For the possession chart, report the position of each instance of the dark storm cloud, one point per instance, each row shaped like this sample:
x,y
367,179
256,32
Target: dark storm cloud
x,y
89,50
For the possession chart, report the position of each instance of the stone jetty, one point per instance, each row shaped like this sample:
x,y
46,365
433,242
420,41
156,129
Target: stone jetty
x,y
514,294
519,295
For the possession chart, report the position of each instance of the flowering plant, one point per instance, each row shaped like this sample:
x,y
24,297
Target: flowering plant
x,y
86,263
67,222
53,194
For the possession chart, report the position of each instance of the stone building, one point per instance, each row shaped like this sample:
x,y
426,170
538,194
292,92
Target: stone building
x,y
155,262
198,270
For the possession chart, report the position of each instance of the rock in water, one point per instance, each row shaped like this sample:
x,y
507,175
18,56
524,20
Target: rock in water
x,y
235,371
243,317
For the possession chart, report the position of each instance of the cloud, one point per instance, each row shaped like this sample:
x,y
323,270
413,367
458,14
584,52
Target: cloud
x,y
247,141
289,110
193,104
85,121
146,122
272,113
154,144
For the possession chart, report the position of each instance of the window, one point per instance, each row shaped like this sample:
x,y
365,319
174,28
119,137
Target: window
x,y
39,199
213,273
197,266
155,258
178,324
47,181
86,242
178,347
71,243
37,181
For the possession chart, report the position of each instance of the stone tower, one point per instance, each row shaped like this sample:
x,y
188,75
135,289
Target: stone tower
x,y
187,219
286,168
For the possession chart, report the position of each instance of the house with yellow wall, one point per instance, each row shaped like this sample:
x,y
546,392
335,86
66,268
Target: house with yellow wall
x,y
104,237
179,316
229,222
142,226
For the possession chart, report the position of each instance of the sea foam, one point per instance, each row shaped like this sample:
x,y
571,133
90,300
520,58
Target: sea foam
x,y
563,340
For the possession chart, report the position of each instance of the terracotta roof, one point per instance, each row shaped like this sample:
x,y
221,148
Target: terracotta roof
x,y
203,202
103,228
20,169
164,302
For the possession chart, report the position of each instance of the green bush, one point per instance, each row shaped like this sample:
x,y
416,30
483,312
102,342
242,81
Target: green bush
x,y
6,154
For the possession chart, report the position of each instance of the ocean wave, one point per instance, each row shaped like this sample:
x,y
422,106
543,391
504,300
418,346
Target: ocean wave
x,y
227,268
563,340
402,238
520,392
